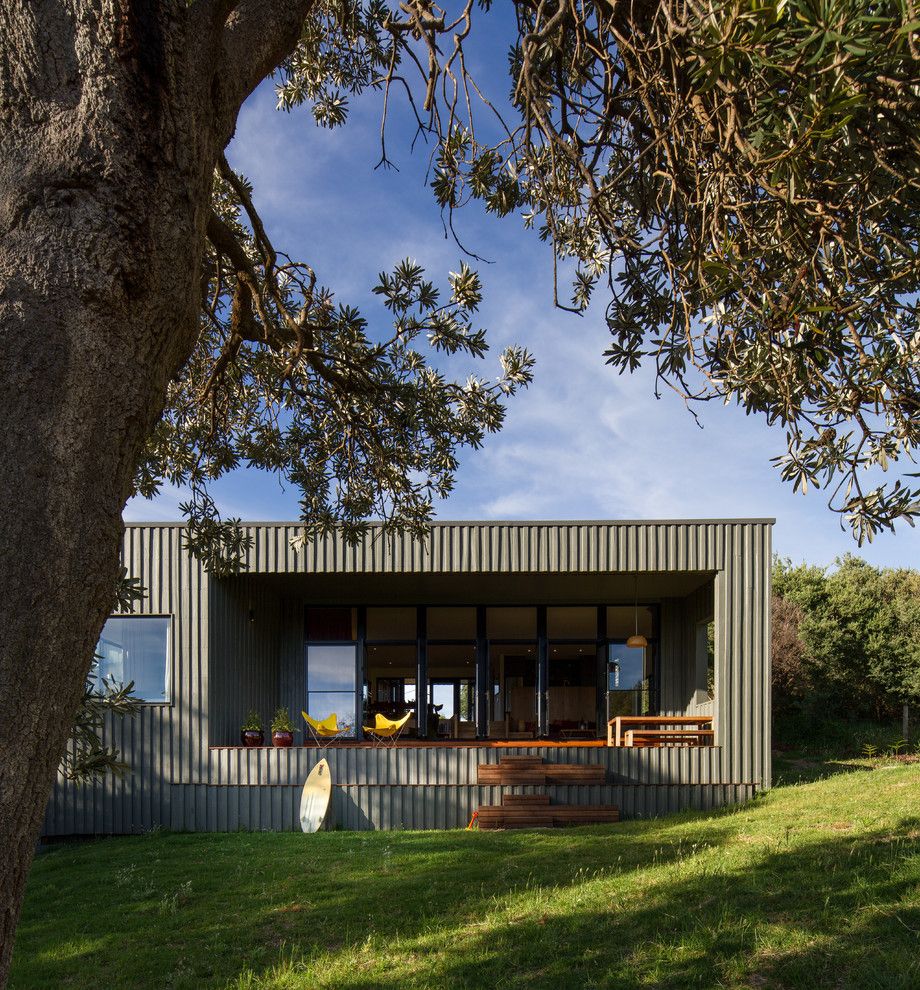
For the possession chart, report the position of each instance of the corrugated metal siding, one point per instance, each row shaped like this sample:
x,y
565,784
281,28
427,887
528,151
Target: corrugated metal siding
x,y
510,547
405,788
178,782
245,649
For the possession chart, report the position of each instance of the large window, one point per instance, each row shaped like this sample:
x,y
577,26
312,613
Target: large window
x,y
629,680
135,648
331,682
452,691
512,690
389,682
573,690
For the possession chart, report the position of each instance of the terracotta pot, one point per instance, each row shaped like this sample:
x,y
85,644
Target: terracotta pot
x,y
282,738
252,737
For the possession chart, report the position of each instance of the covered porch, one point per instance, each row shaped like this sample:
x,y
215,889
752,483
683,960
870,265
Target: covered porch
x,y
473,659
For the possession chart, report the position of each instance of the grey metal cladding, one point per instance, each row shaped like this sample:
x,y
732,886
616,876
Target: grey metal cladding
x,y
178,780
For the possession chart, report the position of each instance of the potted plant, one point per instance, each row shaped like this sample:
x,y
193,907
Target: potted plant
x,y
251,733
282,728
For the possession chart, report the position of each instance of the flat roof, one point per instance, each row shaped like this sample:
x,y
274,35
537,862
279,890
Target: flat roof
x,y
510,522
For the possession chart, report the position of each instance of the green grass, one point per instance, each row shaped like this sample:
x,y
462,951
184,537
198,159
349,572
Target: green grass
x,y
815,885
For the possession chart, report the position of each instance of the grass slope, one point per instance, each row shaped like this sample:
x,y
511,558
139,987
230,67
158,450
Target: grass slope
x,y
815,885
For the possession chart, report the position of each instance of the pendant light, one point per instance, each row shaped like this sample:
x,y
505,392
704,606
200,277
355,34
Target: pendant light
x,y
637,641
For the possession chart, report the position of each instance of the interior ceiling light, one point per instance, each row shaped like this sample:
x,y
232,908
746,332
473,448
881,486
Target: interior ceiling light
x,y
637,641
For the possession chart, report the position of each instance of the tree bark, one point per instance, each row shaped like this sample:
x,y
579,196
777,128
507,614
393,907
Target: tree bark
x,y
112,115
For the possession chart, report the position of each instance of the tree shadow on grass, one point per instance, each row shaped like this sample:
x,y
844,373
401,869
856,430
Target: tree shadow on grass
x,y
637,904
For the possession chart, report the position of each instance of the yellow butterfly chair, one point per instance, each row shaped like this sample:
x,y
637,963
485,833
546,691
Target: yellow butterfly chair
x,y
326,731
385,731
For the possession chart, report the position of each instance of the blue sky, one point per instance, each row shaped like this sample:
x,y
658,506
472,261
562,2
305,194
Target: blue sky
x,y
582,442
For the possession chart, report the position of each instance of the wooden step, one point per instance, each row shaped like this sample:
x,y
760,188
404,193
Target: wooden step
x,y
494,774
541,774
546,816
525,800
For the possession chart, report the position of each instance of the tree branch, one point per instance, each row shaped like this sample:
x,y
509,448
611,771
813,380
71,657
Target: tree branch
x,y
257,37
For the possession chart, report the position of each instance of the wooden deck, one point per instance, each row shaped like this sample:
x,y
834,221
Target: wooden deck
x,y
449,744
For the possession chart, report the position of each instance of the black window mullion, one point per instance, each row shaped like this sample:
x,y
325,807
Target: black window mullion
x,y
481,704
601,669
360,671
542,673
421,672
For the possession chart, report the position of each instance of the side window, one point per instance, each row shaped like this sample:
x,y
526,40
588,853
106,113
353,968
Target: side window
x,y
705,661
136,648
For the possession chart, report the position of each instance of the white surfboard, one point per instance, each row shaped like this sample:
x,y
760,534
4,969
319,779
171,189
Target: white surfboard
x,y
316,799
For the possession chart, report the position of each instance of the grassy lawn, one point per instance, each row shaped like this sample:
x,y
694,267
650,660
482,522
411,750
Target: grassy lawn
x,y
815,885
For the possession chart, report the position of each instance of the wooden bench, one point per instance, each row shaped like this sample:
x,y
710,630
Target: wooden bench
x,y
677,737
664,725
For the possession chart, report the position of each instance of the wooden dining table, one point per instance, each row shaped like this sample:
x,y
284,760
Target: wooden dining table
x,y
619,723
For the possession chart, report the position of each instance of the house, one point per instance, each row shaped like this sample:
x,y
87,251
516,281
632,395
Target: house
x,y
500,638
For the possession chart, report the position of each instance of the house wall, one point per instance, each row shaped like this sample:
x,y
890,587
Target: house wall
x,y
178,781
244,656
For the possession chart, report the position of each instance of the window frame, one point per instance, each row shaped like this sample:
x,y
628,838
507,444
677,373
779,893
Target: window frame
x,y
170,700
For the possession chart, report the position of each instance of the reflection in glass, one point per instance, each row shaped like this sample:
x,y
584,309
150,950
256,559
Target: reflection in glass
x,y
136,648
628,680
331,682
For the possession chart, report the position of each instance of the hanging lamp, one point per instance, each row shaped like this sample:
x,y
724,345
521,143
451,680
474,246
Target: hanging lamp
x,y
636,640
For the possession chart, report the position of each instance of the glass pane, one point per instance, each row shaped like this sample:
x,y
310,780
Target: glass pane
x,y
330,624
451,623
512,691
322,704
136,648
452,691
571,623
331,668
625,667
389,683
391,623
621,621
572,701
511,623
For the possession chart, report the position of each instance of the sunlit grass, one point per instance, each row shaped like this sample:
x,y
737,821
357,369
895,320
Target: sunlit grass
x,y
816,885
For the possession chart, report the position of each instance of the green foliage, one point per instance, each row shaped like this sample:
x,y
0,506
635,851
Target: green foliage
x,y
86,758
252,722
859,628
281,721
742,176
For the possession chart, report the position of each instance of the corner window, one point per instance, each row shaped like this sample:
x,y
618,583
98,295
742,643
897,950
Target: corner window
x,y
136,648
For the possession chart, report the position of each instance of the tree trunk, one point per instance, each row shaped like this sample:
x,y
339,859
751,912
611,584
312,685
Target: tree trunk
x,y
108,140
905,722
